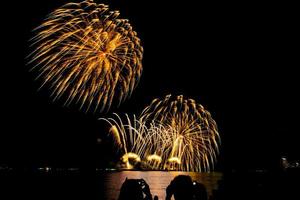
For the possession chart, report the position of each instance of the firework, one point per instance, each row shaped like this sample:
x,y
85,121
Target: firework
x,y
86,55
131,159
135,140
170,134
192,139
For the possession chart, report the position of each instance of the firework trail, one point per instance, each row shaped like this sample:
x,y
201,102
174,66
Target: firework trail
x,y
170,134
135,140
86,55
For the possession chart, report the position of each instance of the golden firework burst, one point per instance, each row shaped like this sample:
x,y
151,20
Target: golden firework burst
x,y
192,140
171,134
87,55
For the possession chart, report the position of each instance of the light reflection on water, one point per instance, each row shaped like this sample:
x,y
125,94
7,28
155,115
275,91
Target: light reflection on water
x,y
157,180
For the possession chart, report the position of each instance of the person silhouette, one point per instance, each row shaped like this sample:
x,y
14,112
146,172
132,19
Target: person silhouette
x,y
183,188
135,189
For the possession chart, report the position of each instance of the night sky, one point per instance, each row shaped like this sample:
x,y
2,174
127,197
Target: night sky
x,y
238,61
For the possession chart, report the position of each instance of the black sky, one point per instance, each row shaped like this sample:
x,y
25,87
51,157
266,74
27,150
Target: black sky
x,y
238,60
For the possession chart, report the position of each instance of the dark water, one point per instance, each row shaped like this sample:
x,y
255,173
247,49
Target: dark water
x,y
47,186
157,180
235,186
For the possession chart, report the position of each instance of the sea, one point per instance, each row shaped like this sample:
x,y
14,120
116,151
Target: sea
x,y
111,182
105,185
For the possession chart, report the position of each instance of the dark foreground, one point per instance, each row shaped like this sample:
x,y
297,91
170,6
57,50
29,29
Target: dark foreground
x,y
235,185
157,181
251,185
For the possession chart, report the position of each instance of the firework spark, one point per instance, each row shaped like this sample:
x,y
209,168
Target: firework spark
x,y
170,134
87,55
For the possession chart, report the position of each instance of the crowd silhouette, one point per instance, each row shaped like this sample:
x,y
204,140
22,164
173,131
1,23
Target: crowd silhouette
x,y
181,187
271,185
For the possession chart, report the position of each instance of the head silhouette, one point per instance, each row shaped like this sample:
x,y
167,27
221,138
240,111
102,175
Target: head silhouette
x,y
131,190
183,188
135,189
